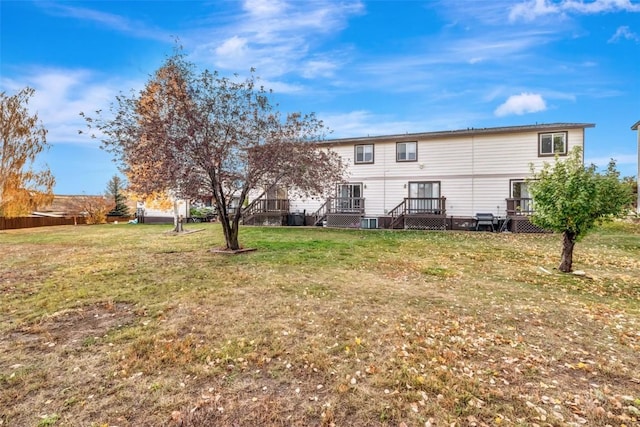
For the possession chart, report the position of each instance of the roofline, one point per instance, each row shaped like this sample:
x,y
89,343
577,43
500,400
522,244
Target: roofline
x,y
636,125
463,132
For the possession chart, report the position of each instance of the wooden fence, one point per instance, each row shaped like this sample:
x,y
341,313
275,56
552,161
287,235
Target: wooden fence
x,y
28,222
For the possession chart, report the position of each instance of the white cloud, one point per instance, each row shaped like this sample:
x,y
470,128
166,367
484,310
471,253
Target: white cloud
x,y
233,47
531,9
521,104
61,95
318,68
361,123
621,159
624,33
600,6
276,37
108,20
264,7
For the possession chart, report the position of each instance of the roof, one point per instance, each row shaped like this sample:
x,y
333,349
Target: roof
x,y
636,125
462,132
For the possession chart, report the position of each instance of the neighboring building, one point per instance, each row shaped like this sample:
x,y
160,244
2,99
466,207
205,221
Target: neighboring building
x,y
439,180
636,127
163,215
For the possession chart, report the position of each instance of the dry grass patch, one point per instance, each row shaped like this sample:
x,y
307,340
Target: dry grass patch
x,y
317,327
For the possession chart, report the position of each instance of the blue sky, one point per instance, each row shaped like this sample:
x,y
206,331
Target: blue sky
x,y
364,67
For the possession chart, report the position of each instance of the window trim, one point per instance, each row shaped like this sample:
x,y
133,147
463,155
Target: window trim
x,y
351,184
364,162
513,181
350,204
552,154
407,160
425,182
521,205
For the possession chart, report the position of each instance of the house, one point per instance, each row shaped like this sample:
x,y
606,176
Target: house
x,y
439,180
164,212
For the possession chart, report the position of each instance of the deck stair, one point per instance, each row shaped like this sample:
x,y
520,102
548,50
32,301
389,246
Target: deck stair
x,y
266,211
397,215
321,214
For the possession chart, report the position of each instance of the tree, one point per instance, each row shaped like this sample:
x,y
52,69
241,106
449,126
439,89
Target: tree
x,y
93,208
22,188
571,199
115,191
632,183
202,135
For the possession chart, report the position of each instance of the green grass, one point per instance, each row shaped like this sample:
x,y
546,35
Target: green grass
x,y
127,325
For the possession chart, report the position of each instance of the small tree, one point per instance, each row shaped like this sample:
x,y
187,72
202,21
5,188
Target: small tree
x,y
571,199
22,188
198,134
93,208
116,192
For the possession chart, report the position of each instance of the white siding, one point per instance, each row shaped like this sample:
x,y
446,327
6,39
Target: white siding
x,y
474,170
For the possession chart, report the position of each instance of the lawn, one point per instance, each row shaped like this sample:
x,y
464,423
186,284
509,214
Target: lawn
x,y
126,325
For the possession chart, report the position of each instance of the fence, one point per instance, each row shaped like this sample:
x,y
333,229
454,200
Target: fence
x,y
28,222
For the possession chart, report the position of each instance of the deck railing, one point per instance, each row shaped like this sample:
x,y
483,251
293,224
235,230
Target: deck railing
x,y
417,205
267,206
519,206
353,205
339,205
426,205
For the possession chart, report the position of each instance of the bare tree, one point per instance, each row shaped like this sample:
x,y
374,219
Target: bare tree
x,y
22,188
199,134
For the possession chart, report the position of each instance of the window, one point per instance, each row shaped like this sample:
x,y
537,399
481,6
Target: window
x,y
424,197
364,153
522,201
349,198
551,144
406,151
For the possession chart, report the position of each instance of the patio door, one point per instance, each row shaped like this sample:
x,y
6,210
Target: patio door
x,y
349,197
277,198
424,196
520,192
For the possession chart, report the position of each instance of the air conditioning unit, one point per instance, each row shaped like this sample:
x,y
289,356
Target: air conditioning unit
x,y
369,223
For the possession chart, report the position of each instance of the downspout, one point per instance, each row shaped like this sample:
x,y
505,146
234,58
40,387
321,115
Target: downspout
x,y
636,127
473,174
384,181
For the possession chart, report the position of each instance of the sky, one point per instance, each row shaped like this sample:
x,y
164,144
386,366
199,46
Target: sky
x,y
364,67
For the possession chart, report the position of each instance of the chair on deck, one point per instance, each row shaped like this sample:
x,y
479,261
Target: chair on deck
x,y
484,220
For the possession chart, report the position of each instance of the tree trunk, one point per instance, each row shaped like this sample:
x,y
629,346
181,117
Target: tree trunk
x,y
177,218
232,242
230,231
568,242
178,225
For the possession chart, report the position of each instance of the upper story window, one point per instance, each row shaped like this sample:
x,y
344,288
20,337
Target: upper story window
x,y
550,144
364,153
406,151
